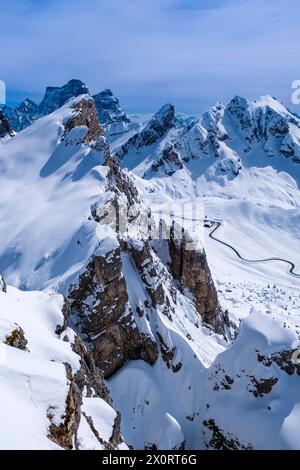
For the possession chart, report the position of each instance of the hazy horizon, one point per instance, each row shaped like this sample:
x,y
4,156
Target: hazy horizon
x,y
192,53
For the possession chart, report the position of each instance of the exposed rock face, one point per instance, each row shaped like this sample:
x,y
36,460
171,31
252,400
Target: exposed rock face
x,y
111,115
287,360
104,317
200,139
156,128
119,182
64,434
170,160
17,339
85,115
267,122
150,272
5,127
55,97
222,441
189,266
88,381
263,386
2,284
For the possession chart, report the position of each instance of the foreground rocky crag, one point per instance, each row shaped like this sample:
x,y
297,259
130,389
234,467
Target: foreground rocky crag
x,y
116,325
49,379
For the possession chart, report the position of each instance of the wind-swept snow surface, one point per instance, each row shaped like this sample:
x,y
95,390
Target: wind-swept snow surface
x,y
36,387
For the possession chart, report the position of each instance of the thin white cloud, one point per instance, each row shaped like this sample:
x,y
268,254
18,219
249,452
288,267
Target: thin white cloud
x,y
153,49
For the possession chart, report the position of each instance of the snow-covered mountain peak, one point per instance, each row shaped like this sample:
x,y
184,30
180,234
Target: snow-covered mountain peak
x,y
166,110
152,136
271,102
28,106
108,107
163,120
266,122
55,97
28,111
249,112
111,114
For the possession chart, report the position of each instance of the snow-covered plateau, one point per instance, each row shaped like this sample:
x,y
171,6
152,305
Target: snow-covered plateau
x,y
150,295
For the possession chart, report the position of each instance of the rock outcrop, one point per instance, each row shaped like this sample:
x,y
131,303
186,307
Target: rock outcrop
x,y
99,302
85,114
103,309
112,117
154,130
189,266
5,127
16,339
87,382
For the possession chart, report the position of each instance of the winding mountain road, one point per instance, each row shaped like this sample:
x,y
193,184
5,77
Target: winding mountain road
x,y
213,237
217,225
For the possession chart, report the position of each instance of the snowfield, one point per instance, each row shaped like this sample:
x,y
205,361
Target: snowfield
x,y
33,380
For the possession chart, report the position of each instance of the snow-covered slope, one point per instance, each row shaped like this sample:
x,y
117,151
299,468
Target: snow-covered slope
x,y
235,161
158,325
47,187
47,394
220,143
253,389
131,298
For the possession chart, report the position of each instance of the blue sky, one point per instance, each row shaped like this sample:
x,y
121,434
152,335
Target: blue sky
x,y
190,52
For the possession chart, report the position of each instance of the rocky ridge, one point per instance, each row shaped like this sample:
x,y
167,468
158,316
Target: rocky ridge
x,y
5,127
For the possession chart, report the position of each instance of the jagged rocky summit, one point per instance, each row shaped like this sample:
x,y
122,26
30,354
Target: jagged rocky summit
x,y
113,118
110,113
